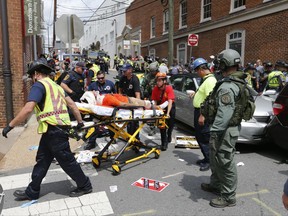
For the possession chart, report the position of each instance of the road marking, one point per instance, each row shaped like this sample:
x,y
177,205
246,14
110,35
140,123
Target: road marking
x,y
152,211
179,173
22,180
89,204
252,193
266,207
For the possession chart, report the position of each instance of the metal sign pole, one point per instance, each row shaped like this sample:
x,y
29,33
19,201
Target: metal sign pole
x,y
69,35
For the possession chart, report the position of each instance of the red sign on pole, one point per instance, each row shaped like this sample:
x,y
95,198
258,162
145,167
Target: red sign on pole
x,y
193,40
150,184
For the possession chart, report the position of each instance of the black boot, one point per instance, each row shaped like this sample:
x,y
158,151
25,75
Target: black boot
x,y
164,142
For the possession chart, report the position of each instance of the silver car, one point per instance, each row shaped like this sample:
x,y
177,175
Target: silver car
x,y
252,131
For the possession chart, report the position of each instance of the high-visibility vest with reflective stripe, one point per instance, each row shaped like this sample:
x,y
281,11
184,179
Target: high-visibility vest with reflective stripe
x,y
273,79
55,110
95,68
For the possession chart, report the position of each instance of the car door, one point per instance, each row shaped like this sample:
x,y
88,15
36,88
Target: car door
x,y
177,83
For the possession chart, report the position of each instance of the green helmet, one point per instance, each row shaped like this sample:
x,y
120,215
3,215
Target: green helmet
x,y
228,58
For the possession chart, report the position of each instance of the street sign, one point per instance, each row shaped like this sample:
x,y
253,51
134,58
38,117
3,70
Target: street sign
x,y
32,15
193,40
62,29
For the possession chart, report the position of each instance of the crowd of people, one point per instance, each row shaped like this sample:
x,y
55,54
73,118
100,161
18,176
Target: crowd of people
x,y
217,116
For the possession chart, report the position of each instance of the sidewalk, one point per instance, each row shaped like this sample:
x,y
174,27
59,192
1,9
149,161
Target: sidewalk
x,y
20,148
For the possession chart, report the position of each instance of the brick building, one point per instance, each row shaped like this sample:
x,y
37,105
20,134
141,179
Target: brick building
x,y
255,28
20,48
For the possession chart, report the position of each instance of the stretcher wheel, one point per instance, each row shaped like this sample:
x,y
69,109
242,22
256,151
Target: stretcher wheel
x,y
157,153
116,169
96,161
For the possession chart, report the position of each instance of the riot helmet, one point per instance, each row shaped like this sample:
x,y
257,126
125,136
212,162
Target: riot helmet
x,y
227,58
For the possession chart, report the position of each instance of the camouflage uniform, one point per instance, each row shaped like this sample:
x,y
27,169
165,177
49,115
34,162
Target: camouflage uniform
x,y
148,84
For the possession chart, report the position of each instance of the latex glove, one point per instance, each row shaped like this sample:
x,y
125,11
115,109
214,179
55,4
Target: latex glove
x,y
6,130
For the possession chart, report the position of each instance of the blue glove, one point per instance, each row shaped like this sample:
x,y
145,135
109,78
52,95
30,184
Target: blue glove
x,y
6,130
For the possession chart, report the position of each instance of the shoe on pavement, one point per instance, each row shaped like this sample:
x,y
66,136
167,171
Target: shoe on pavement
x,y
90,146
21,195
79,192
221,202
209,188
199,162
204,166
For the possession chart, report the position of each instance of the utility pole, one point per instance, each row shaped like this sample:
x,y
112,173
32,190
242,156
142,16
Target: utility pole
x,y
171,31
55,18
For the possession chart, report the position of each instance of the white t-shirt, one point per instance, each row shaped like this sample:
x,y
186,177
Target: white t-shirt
x,y
163,69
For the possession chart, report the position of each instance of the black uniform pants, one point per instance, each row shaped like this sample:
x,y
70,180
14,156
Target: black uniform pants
x,y
54,144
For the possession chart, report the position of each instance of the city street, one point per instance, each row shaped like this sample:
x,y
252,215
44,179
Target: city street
x,y
261,179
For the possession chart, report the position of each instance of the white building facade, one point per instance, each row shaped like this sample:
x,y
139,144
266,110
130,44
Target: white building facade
x,y
105,26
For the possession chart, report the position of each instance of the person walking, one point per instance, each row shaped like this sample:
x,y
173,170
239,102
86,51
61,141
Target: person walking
x,y
224,115
162,93
201,127
50,104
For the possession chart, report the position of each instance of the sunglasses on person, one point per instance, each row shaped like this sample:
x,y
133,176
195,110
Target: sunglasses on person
x,y
100,78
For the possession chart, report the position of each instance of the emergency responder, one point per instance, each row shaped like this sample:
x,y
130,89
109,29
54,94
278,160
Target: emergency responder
x,y
276,79
252,78
73,83
161,93
116,61
202,130
103,86
106,63
224,130
50,104
92,73
268,67
130,86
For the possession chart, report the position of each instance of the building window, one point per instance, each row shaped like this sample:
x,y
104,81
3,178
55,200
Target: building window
x,y
152,53
181,53
237,5
236,41
206,10
152,27
166,21
183,14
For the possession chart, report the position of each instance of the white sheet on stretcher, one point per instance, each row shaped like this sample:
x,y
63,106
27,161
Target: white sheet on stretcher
x,y
121,113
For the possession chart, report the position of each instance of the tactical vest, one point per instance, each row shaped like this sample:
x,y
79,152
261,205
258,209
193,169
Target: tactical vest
x,y
244,103
95,68
55,110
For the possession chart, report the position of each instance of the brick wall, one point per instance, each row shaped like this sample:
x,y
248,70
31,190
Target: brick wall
x,y
16,57
266,37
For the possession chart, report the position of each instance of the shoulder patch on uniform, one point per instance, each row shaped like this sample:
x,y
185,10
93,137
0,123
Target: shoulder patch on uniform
x,y
226,99
66,77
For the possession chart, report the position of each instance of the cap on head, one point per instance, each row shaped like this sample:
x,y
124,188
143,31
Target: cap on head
x,y
126,67
39,66
198,62
80,64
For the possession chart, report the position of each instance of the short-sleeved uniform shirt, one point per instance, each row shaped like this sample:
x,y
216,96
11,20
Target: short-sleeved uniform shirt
x,y
162,96
105,88
129,87
73,77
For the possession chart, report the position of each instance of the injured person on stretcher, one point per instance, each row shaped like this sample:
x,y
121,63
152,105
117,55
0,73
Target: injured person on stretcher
x,y
115,100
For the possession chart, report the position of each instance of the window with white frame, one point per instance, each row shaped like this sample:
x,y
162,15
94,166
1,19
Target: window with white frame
x,y
183,14
181,53
152,52
237,5
152,31
236,41
206,10
166,21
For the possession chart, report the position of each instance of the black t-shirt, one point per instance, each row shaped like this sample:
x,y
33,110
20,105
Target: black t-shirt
x,y
129,87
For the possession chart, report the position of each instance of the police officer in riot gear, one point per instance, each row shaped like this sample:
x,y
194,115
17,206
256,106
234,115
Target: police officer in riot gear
x,y
224,129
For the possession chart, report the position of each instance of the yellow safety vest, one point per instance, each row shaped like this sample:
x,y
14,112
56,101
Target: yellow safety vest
x,y
121,62
130,62
273,79
55,110
95,68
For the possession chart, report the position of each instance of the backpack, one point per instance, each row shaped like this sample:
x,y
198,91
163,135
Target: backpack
x,y
244,103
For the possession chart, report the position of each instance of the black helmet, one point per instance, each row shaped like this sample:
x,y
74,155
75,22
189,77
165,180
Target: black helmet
x,y
157,58
267,64
250,66
39,66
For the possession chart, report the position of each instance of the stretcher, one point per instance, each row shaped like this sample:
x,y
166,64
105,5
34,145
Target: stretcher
x,y
116,120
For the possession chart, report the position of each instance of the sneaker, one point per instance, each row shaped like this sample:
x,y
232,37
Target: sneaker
x,y
79,192
21,195
204,166
209,188
221,202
